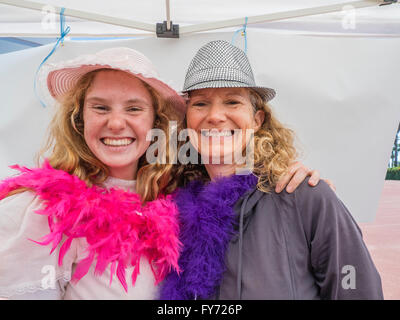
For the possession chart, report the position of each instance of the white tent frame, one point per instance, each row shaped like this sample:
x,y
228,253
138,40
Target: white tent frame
x,y
151,28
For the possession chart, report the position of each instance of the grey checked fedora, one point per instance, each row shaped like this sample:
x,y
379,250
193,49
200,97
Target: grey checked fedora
x,y
218,64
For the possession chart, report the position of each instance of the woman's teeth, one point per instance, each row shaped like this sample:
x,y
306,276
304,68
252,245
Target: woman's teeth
x,y
216,133
117,142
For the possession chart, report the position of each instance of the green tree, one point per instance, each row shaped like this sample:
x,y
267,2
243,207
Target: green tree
x,y
396,150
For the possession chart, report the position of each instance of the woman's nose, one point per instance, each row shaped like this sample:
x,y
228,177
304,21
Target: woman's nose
x,y
116,121
216,114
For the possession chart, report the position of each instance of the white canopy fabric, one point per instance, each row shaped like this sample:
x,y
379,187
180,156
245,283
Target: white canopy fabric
x,y
376,20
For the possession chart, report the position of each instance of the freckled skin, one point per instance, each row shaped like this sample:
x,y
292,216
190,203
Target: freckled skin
x,y
118,105
221,109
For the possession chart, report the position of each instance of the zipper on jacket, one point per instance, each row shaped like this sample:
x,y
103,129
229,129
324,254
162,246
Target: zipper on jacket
x,y
292,283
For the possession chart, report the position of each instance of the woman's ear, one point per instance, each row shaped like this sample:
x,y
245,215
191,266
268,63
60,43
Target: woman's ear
x,y
259,117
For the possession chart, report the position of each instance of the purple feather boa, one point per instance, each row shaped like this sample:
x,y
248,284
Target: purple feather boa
x,y
207,223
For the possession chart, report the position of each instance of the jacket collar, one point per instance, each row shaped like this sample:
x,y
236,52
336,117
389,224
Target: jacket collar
x,y
251,197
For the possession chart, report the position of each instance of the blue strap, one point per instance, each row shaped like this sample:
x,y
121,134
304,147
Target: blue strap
x,y
243,30
63,32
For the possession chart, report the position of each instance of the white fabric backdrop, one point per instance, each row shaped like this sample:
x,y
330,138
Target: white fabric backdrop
x,y
341,95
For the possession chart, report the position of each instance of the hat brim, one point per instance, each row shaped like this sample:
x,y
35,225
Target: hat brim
x,y
60,81
266,93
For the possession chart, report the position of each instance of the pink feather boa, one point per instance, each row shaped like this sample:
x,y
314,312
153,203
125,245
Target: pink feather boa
x,y
118,229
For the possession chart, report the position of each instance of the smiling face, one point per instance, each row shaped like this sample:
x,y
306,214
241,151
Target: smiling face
x,y
219,118
117,114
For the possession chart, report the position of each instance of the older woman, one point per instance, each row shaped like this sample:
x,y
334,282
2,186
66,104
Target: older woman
x,y
241,239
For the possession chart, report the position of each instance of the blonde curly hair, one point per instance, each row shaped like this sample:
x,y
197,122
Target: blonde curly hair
x,y
66,148
274,150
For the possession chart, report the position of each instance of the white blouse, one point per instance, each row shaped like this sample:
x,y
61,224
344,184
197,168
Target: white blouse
x,y
28,271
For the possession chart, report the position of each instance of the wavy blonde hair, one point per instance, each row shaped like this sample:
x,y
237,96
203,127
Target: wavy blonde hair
x,y
66,148
274,150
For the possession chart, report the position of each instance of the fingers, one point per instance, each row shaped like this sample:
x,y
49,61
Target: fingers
x,y
330,183
297,172
281,184
297,179
315,177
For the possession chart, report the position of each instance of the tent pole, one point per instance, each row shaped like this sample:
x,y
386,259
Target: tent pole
x,y
168,15
76,35
277,16
83,15
198,27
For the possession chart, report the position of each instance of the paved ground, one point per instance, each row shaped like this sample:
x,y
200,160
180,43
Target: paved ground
x,y
383,239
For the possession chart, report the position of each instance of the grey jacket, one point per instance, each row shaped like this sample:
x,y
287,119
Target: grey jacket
x,y
303,245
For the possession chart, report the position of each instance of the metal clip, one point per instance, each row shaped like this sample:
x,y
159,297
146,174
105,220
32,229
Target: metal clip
x,y
386,2
163,31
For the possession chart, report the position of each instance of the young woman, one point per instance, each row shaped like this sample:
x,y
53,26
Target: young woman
x,y
95,201
242,240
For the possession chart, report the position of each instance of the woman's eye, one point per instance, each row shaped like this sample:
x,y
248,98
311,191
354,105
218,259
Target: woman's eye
x,y
100,108
135,109
232,102
198,104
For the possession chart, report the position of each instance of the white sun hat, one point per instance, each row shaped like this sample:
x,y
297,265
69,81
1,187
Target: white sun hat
x,y
56,79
